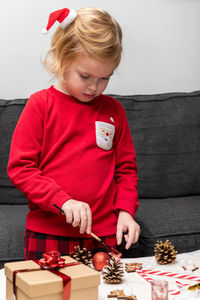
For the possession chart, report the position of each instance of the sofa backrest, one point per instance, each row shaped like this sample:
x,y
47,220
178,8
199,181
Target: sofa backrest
x,y
166,135
10,111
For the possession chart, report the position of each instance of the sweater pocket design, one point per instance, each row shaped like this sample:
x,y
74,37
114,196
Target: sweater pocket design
x,y
104,135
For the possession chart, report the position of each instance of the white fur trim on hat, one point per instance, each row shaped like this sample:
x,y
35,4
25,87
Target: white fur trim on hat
x,y
69,19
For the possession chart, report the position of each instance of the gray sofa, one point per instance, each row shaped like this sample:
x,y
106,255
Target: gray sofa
x,y
166,134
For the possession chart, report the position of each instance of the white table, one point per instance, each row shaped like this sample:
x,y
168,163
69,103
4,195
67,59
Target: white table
x,y
142,289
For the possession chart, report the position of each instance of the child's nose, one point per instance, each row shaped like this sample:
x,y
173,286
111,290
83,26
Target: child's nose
x,y
93,86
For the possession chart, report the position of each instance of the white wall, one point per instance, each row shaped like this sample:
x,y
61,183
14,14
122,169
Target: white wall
x,y
161,45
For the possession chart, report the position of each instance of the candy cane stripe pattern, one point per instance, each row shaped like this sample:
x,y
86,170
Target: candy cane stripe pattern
x,y
181,285
171,274
143,275
174,292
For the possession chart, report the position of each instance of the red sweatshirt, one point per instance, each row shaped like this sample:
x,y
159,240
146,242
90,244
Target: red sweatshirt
x,y
63,148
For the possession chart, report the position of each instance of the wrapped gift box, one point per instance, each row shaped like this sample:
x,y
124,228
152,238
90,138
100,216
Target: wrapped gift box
x,y
38,284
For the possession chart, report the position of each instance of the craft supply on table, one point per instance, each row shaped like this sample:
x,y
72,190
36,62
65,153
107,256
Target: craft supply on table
x,y
29,280
165,252
100,260
119,294
159,290
145,273
113,272
131,267
82,255
172,274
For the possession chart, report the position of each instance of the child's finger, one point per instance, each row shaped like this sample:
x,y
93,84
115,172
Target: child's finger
x,y
129,241
132,237
84,221
119,235
89,221
137,234
77,218
129,237
69,216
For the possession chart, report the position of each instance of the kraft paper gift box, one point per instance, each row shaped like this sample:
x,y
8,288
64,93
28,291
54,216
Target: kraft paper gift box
x,y
39,284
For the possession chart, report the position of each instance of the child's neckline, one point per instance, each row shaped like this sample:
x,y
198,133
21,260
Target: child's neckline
x,y
65,95
58,89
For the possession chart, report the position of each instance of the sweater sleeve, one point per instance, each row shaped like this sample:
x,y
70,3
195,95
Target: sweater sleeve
x,y
126,168
23,166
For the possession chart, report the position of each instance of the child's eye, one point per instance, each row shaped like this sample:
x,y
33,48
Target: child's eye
x,y
85,77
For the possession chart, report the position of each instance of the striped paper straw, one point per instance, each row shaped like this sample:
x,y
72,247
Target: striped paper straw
x,y
172,274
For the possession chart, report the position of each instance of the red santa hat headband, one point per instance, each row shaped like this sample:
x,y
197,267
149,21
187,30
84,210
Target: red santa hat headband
x,y
64,16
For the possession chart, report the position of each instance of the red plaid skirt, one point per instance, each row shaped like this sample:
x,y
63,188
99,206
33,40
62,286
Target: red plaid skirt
x,y
38,243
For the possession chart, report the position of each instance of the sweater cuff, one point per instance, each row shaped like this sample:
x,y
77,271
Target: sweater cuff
x,y
127,206
59,198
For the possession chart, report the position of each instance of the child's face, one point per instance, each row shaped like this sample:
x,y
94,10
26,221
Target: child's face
x,y
86,77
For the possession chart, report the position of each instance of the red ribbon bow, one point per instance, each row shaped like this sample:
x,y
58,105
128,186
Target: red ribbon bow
x,y
51,260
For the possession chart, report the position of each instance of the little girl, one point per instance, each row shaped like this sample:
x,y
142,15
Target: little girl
x,y
72,145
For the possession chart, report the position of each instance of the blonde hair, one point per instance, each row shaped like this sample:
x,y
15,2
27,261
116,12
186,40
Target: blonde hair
x,y
94,31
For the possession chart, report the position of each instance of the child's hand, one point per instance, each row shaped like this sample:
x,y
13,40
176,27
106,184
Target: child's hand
x,y
78,213
127,223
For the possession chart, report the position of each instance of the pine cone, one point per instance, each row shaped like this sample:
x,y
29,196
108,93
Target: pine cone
x,y
113,272
164,252
82,255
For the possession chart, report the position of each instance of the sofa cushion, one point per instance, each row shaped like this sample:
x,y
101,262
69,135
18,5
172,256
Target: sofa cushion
x,y
158,221
13,220
166,134
10,111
